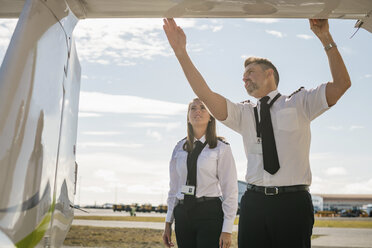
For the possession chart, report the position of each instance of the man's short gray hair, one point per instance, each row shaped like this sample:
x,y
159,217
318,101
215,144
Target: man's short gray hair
x,y
265,64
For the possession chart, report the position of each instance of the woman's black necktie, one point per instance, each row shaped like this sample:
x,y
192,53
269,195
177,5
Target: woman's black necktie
x,y
270,154
192,159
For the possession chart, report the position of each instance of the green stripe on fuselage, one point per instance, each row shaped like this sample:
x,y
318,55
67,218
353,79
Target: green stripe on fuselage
x,y
34,238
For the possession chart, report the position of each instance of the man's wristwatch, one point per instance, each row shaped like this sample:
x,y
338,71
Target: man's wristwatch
x,y
329,46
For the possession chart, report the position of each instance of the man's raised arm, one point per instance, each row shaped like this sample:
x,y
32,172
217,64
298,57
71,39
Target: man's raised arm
x,y
177,39
341,80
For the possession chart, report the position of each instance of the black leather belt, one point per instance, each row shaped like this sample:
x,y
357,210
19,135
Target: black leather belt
x,y
202,199
271,190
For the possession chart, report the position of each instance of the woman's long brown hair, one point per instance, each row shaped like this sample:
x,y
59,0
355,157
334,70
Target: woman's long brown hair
x,y
210,134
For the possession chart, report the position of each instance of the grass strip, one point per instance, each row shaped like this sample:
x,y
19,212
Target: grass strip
x,y
90,236
343,223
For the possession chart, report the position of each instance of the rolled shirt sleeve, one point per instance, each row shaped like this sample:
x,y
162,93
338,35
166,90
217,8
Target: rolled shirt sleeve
x,y
234,116
315,101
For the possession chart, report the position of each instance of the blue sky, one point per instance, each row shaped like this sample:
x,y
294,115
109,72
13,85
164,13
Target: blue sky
x,y
134,97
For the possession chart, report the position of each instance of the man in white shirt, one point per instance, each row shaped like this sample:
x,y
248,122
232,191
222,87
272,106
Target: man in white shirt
x,y
276,210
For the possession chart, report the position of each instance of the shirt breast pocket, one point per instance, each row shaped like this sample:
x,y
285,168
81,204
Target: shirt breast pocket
x,y
207,163
287,119
181,163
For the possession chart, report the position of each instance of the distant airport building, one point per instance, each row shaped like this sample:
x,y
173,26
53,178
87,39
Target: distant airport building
x,y
317,203
328,201
344,201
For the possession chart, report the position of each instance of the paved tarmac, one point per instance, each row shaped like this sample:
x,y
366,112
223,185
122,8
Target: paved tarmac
x,y
342,237
330,237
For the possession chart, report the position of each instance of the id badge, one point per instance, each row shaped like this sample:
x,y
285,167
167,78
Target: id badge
x,y
188,190
256,147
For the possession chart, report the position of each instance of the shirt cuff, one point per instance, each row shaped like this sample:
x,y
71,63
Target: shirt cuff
x,y
228,225
169,217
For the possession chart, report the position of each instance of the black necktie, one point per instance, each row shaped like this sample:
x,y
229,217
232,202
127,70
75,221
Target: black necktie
x,y
270,155
192,159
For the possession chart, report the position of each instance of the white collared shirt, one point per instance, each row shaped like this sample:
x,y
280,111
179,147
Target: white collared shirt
x,y
291,117
216,176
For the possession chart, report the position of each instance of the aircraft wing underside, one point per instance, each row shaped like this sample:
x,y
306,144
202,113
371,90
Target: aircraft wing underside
x,y
338,9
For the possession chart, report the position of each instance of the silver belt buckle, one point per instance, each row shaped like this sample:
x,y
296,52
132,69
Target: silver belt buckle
x,y
271,193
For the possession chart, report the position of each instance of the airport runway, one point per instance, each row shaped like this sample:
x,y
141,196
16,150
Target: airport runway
x,y
342,237
110,212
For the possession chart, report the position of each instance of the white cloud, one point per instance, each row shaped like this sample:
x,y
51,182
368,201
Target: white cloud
x,y
336,171
368,76
155,117
340,186
335,128
154,134
136,179
144,189
102,61
6,30
102,133
320,156
214,28
316,179
106,175
108,144
317,185
122,164
94,189
364,187
275,33
121,41
351,128
304,36
167,125
123,104
263,20
355,127
117,40
84,114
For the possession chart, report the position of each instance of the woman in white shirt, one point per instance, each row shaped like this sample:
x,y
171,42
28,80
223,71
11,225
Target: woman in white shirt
x,y
203,195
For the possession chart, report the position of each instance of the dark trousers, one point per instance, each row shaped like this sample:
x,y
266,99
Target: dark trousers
x,y
200,226
276,221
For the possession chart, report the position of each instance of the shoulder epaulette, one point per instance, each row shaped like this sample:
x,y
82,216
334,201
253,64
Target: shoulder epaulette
x,y
246,101
223,140
182,140
301,88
